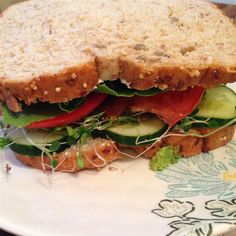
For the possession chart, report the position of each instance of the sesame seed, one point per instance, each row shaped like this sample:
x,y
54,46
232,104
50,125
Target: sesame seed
x,y
27,88
141,76
197,73
45,92
58,89
224,138
194,73
209,59
164,86
33,86
73,76
85,85
113,168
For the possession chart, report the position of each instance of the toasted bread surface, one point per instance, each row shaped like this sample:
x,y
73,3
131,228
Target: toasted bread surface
x,y
100,152
95,154
192,145
55,50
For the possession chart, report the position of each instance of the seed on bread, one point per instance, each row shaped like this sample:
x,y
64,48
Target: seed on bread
x,y
85,85
187,49
141,76
127,38
73,76
58,89
140,46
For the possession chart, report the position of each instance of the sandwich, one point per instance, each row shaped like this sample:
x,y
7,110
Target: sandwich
x,y
83,81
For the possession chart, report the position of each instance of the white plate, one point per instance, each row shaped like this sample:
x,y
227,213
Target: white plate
x,y
196,194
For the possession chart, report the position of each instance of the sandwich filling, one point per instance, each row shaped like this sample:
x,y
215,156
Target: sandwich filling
x,y
119,116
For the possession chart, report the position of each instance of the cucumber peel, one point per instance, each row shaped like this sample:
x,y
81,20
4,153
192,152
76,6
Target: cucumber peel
x,y
143,132
34,142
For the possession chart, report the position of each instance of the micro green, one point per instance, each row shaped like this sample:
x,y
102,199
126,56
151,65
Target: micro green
x,y
54,147
164,158
4,142
53,163
80,160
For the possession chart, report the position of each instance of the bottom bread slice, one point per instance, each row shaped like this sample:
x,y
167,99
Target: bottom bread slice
x,y
99,152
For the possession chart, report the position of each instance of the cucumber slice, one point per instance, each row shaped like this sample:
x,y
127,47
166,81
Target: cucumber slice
x,y
30,143
136,134
219,102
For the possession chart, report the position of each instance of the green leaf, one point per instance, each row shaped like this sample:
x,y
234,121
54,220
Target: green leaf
x,y
165,157
4,142
72,105
29,114
84,137
1,125
185,124
116,88
37,112
54,146
53,163
122,120
71,140
80,160
70,130
213,123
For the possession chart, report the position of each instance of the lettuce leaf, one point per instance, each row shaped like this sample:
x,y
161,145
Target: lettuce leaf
x,y
29,114
116,88
38,112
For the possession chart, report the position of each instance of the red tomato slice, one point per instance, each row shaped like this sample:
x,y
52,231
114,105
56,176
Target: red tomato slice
x,y
171,106
92,102
115,106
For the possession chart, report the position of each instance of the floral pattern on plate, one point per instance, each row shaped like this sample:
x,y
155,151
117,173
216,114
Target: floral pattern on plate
x,y
203,174
221,212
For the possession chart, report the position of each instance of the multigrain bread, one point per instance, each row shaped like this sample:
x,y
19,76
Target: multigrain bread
x,y
58,50
191,145
100,152
97,153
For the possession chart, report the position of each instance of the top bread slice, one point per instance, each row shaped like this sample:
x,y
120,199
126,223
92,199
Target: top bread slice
x,y
56,50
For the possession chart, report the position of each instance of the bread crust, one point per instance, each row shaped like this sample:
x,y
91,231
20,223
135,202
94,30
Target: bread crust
x,y
173,78
188,146
79,81
192,145
70,83
67,160
168,71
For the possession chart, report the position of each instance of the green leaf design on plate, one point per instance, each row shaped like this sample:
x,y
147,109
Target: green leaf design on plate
x,y
202,175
